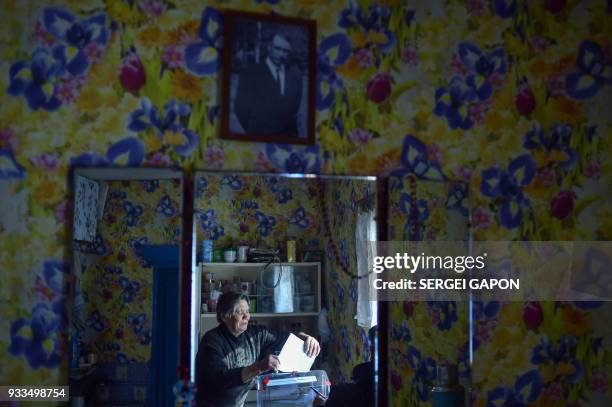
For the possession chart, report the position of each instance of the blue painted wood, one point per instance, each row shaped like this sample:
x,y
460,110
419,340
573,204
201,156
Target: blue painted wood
x,y
162,255
165,329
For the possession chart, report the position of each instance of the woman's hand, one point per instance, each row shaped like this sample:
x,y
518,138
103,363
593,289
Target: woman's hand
x,y
270,362
311,345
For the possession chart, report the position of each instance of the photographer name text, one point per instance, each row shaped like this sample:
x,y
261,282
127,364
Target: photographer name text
x,y
438,264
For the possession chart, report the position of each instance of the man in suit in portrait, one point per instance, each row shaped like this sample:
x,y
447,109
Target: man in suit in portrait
x,y
269,93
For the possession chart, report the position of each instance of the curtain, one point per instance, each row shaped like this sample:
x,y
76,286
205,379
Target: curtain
x,y
365,233
85,209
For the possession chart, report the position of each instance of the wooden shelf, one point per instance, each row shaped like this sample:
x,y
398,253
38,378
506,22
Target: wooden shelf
x,y
268,314
236,264
306,298
272,295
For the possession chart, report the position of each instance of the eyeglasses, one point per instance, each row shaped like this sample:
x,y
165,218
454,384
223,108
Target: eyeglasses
x,y
242,312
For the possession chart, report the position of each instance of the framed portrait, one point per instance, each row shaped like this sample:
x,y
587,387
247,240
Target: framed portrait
x,y
268,79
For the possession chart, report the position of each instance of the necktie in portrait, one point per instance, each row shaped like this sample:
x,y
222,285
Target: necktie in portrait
x,y
279,80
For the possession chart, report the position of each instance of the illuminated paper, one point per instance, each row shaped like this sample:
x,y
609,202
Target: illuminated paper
x,y
292,357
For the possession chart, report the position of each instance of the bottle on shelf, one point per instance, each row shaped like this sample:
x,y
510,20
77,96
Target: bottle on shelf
x,y
207,251
291,250
215,293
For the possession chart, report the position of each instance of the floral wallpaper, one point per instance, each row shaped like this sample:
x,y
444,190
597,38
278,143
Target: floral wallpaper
x,y
509,96
114,303
425,334
349,344
431,207
233,209
257,210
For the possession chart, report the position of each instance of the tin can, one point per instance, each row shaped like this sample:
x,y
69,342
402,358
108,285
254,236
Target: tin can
x,y
207,251
291,251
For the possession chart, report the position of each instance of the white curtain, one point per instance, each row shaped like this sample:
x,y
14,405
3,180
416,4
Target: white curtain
x,y
85,209
365,236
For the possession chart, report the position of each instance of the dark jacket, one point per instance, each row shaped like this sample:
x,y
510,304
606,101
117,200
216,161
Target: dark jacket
x,y
259,105
220,359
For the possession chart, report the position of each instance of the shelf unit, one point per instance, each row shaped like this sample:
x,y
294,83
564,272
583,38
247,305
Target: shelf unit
x,y
282,300
268,314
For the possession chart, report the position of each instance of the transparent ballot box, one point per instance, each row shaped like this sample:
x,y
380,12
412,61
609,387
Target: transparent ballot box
x,y
297,389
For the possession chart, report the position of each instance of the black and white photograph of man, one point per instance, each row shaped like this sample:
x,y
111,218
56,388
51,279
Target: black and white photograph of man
x,y
269,80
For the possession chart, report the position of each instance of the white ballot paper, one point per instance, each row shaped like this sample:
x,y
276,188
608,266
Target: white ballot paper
x,y
292,357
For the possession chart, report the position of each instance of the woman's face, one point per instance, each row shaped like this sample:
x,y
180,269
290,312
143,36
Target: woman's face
x,y
239,321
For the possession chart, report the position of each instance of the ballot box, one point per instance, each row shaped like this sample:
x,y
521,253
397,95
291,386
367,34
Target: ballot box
x,y
297,389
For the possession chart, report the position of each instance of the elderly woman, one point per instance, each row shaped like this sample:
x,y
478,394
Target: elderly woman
x,y
231,355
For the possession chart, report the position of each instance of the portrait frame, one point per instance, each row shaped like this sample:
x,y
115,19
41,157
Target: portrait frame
x,y
268,107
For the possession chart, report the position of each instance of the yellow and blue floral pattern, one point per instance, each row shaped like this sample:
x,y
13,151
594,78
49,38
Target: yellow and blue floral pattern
x,y
342,202
425,334
114,305
257,211
509,96
265,210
